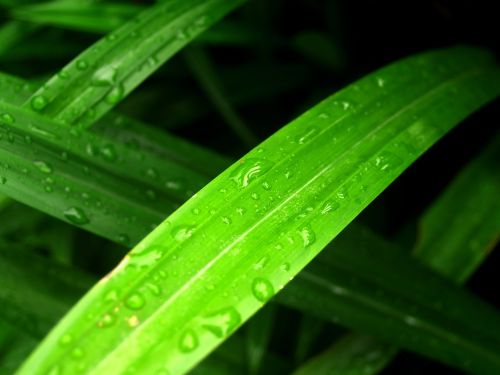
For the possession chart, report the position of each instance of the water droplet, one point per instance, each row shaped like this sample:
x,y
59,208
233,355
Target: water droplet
x,y
42,132
324,116
151,173
285,267
105,76
262,289
43,166
278,246
222,322
65,340
132,321
249,170
307,135
181,35
111,296
329,206
63,74
7,119
226,220
380,82
342,193
77,353
241,211
254,196
116,94
307,235
144,257
188,342
135,301
195,211
38,103
91,150
124,239
183,232
288,174
108,153
82,64
107,320
266,185
151,194
261,263
386,160
153,288
76,215
28,139
345,105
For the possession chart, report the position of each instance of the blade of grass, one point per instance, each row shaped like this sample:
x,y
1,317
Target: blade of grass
x,y
351,355
258,335
95,18
104,74
460,200
470,213
203,70
48,166
382,291
264,210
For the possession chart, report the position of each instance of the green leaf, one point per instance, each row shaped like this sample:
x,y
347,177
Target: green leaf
x,y
364,283
351,355
463,225
453,259
258,332
239,240
104,18
100,77
91,181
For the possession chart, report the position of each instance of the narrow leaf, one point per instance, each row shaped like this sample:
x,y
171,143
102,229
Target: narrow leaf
x,y
104,74
351,355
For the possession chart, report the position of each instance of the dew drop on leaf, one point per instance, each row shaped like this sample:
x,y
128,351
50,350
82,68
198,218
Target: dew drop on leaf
x,y
42,166
65,340
82,64
262,289
307,135
135,301
249,170
7,119
329,206
76,215
386,160
106,321
226,220
183,232
308,236
115,95
105,76
38,102
108,153
222,322
77,353
144,257
188,341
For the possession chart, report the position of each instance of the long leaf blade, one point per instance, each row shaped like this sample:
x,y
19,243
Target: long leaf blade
x,y
228,262
104,74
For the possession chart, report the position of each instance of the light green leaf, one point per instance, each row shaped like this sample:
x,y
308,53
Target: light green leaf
x,y
453,259
241,238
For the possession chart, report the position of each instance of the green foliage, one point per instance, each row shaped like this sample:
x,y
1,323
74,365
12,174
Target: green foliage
x,y
88,167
